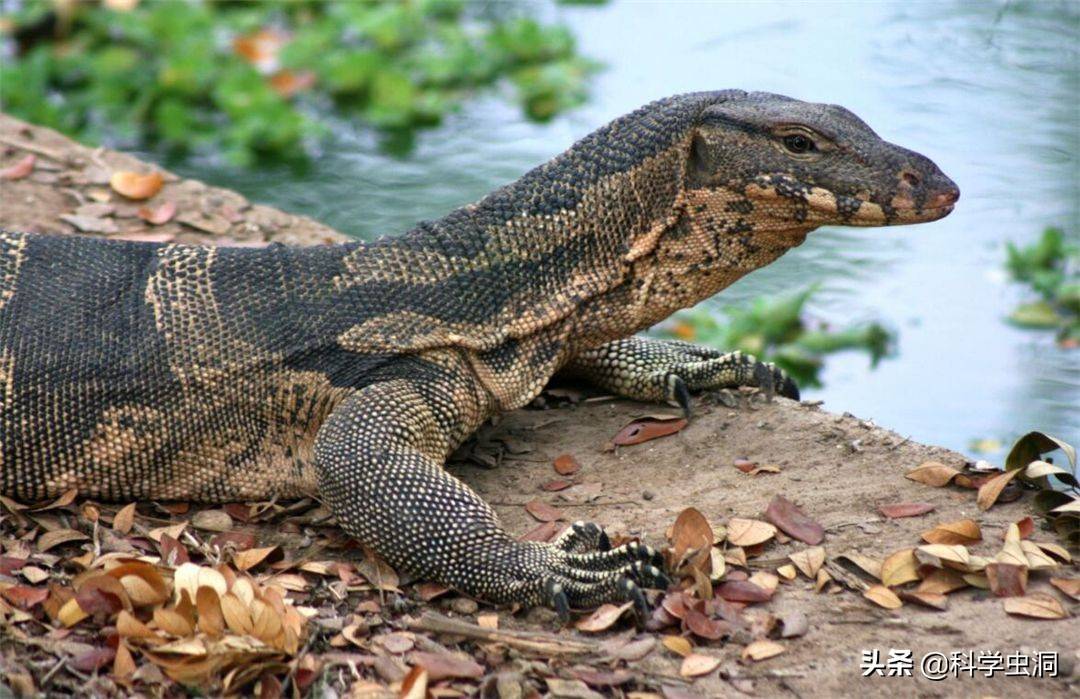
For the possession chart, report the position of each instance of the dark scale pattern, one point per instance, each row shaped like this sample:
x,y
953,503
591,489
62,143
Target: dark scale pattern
x,y
133,370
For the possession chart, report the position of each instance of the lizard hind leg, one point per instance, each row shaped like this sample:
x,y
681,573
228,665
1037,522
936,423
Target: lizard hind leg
x,y
379,462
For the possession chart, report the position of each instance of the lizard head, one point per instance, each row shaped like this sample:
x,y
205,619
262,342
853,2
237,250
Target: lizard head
x,y
807,165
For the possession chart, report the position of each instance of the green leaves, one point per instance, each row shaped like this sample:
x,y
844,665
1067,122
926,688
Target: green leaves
x,y
1051,267
260,77
775,329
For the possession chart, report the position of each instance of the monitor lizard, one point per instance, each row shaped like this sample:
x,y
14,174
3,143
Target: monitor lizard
x,y
136,370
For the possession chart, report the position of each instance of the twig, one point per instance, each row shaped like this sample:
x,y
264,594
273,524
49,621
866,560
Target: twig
x,y
535,642
32,148
60,663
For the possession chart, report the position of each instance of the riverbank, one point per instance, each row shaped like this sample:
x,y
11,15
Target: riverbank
x,y
837,468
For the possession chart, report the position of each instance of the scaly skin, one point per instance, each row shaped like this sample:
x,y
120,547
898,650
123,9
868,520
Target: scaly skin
x,y
133,370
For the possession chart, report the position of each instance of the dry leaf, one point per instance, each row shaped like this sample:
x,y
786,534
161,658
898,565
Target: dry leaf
x,y
488,621
19,169
441,666
934,600
793,521
212,520
932,473
566,465
1006,579
603,618
1037,605
809,561
883,597
899,568
964,531
1070,586
648,428
941,581
990,491
762,650
749,532
678,645
742,591
542,511
696,665
245,560
955,556
56,537
692,532
124,519
136,186
787,571
159,216
905,509
414,686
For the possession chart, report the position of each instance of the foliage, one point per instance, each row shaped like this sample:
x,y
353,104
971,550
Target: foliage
x,y
1051,267
774,329
254,78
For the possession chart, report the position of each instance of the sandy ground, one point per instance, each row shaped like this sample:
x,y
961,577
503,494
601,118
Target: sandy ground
x,y
837,468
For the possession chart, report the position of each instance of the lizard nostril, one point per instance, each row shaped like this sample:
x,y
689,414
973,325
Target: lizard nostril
x,y
911,178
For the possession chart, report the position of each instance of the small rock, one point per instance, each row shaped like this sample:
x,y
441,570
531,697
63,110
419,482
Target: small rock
x,y
464,605
648,495
212,520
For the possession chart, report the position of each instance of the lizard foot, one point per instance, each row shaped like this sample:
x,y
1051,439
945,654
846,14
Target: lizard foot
x,y
669,370
580,570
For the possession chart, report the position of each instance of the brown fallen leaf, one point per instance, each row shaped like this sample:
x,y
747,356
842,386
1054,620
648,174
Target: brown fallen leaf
x,y
762,650
1006,579
56,537
703,626
1070,586
603,618
932,473
883,597
566,465
742,591
990,491
543,532
809,561
414,686
933,600
696,665
542,511
793,521
159,216
692,532
964,531
1037,605
899,568
20,168
556,485
905,509
941,581
648,428
24,597
65,499
678,645
124,519
441,666
749,532
136,186
248,559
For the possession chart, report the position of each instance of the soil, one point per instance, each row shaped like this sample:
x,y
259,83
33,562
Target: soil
x,y
837,468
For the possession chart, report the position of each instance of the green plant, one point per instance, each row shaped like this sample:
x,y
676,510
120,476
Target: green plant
x,y
1051,267
775,329
252,78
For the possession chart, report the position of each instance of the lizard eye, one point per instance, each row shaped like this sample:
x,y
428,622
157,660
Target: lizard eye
x,y
797,143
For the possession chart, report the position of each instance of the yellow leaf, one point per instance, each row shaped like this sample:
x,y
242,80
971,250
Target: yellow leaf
x,y
899,568
71,613
990,491
678,645
809,561
696,665
749,532
883,597
932,473
964,531
135,186
762,650
1037,605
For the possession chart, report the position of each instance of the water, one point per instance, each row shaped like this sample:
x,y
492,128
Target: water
x,y
988,91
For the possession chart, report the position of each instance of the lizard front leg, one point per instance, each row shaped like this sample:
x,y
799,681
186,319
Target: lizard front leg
x,y
648,369
379,459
